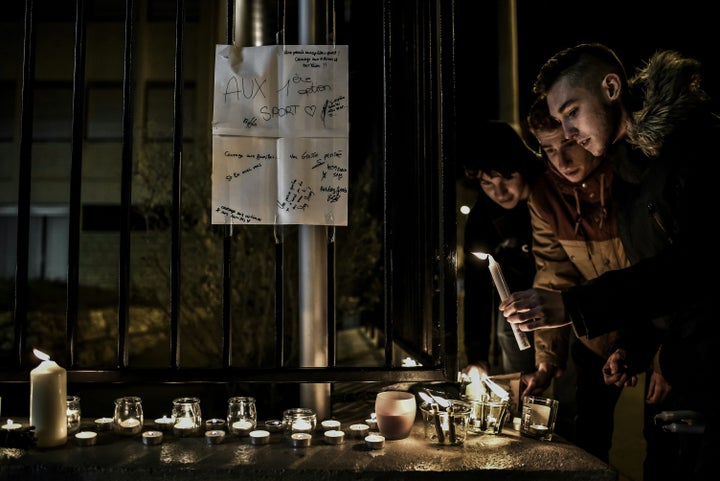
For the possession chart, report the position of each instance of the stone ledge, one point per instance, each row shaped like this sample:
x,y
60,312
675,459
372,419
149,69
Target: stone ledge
x,y
503,457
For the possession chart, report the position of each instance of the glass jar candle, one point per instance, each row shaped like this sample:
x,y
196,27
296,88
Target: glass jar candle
x,y
187,416
241,415
299,420
73,414
128,417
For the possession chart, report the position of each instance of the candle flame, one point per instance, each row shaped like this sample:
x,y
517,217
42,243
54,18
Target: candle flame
x,y
41,355
474,374
481,255
500,392
442,402
426,397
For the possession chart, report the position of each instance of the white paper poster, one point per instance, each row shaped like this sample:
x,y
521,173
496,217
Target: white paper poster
x,y
280,135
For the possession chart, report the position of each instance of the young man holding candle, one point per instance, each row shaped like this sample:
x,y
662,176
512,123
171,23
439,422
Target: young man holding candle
x,y
504,168
659,145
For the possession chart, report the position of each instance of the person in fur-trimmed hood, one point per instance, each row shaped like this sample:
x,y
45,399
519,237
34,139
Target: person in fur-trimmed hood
x,y
661,135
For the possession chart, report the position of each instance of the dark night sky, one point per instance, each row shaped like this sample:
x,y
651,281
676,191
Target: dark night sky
x,y
634,29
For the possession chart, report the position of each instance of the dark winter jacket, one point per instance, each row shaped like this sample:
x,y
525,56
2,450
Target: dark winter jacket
x,y
507,236
667,195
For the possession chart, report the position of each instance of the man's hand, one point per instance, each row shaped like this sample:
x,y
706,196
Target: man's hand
x,y
535,309
616,372
539,381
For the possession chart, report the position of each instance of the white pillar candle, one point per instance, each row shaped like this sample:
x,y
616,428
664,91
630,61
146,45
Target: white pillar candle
x,y
48,396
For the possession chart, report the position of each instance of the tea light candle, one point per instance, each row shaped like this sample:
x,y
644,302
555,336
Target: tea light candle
x,y
103,424
300,440
152,438
86,438
164,423
184,427
330,425
242,428
215,424
259,436
372,422
273,425
214,436
539,429
375,441
359,430
11,425
130,425
48,402
301,426
334,436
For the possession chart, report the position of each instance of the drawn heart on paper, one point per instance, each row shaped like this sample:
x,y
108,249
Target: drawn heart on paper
x,y
310,110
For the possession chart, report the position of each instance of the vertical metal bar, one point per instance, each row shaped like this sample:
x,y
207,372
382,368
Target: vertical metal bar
x,y
312,244
508,84
126,184
78,116
175,258
331,319
387,251
24,182
227,241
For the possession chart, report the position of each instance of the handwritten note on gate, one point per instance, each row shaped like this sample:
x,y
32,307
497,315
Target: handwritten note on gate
x,y
280,135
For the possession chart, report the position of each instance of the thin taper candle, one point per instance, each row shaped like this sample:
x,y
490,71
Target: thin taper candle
x,y
502,288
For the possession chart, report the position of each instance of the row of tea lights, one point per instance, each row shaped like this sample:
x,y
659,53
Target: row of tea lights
x,y
298,424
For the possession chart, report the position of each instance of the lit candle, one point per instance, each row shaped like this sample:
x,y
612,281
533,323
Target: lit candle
x,y
334,436
215,424
164,423
372,422
242,428
301,425
85,438
359,430
11,425
375,441
214,436
130,426
502,288
273,425
330,424
152,438
259,436
103,424
475,390
131,423
184,427
495,388
48,396
300,440
539,429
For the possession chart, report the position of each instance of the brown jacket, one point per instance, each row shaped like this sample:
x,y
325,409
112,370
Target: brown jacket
x,y
575,239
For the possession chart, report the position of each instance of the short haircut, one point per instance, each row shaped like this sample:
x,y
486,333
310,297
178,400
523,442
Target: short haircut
x,y
584,64
498,147
539,119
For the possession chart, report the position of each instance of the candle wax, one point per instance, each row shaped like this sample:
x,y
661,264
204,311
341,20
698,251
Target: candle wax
x,y
48,404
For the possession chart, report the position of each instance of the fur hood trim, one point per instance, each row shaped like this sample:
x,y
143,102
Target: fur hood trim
x,y
669,87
